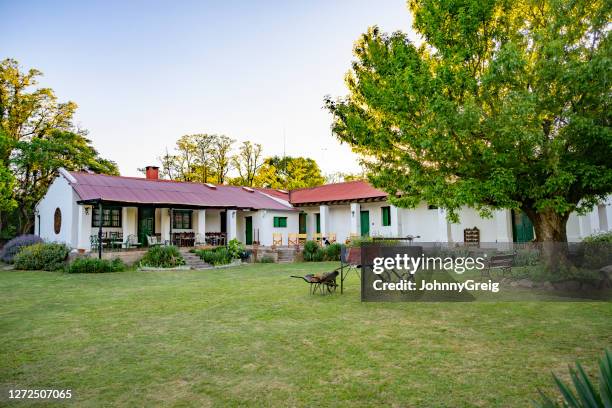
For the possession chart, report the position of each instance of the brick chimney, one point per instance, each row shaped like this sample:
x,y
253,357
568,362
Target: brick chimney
x,y
152,172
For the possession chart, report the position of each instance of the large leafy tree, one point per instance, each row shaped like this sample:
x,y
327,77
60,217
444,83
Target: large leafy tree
x,y
289,173
506,104
37,137
247,162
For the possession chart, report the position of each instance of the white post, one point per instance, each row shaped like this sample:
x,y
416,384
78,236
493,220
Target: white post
x,y
231,224
355,219
324,211
396,222
164,228
503,225
201,226
443,227
125,218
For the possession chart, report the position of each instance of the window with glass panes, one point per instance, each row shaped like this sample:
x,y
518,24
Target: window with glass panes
x,y
181,219
111,217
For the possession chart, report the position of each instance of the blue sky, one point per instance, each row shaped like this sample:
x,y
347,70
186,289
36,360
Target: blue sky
x,y
145,73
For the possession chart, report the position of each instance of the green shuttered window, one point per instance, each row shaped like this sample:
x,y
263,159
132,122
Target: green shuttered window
x,y
280,222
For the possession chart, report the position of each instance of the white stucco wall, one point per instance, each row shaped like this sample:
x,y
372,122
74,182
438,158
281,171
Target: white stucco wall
x,y
265,223
60,195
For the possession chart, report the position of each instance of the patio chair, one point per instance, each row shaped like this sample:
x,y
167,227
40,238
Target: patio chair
x,y
293,239
131,242
277,238
200,239
302,238
331,237
318,237
322,283
153,241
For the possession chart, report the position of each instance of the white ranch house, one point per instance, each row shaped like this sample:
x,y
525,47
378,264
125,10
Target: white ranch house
x,y
80,205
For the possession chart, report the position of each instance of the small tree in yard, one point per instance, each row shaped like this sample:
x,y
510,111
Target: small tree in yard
x,y
506,104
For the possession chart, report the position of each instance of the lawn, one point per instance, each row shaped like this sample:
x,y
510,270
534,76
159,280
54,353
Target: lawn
x,y
252,336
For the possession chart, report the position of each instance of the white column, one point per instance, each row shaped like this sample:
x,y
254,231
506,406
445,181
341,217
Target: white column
x,y
231,224
396,222
503,225
164,228
201,226
594,220
324,211
355,219
125,222
608,212
443,227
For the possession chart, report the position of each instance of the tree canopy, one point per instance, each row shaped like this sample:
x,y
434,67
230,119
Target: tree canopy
x,y
289,173
505,104
37,137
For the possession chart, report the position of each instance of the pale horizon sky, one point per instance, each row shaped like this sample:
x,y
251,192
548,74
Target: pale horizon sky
x,y
145,73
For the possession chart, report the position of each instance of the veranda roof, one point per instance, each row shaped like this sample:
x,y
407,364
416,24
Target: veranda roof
x,y
141,191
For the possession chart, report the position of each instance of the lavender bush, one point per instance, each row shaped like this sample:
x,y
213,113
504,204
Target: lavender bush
x,y
8,252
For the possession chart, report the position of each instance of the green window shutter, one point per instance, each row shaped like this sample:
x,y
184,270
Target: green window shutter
x,y
386,216
280,222
318,223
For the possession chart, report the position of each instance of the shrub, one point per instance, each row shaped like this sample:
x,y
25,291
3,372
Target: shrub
x,y
586,394
597,250
527,257
235,248
332,252
601,237
358,241
42,256
162,257
95,265
266,259
312,252
11,248
217,256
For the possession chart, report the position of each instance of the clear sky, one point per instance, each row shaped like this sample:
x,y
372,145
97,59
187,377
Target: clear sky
x,y
144,73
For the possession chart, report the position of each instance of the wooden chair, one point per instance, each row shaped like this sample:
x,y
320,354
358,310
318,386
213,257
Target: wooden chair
x,y
293,239
331,237
351,238
277,238
318,237
302,238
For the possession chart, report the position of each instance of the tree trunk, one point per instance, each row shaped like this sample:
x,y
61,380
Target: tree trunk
x,y
551,234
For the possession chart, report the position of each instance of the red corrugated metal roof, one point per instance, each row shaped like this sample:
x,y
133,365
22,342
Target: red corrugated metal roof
x,y
283,195
350,190
144,191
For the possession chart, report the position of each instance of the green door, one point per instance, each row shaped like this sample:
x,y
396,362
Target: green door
x,y
248,232
365,223
146,223
302,229
318,223
522,228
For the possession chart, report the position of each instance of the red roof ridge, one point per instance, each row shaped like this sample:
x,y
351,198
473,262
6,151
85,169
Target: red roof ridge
x,y
331,184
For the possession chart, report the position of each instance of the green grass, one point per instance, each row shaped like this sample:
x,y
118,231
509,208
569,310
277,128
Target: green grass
x,y
252,336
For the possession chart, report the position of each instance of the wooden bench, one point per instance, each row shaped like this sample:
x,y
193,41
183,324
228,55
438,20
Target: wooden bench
x,y
502,263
